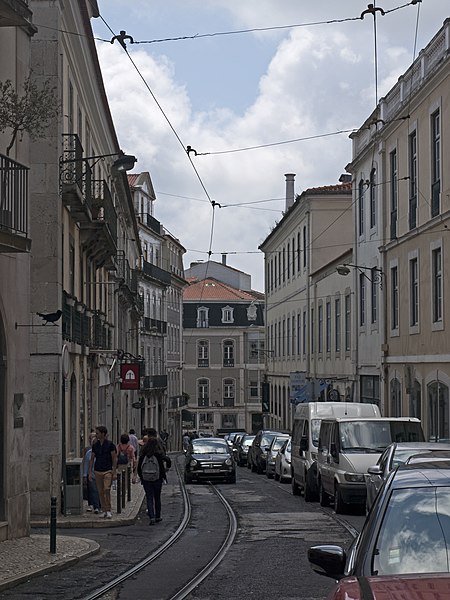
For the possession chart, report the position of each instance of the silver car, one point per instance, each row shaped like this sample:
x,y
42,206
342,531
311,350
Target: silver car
x,y
396,454
272,452
283,470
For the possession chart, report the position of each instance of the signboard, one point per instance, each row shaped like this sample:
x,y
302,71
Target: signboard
x,y
129,376
299,388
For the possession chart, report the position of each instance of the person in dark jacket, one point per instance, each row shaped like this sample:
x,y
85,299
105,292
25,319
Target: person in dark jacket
x,y
153,488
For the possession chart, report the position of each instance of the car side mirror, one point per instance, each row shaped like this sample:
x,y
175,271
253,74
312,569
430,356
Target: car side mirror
x,y
304,444
375,470
327,560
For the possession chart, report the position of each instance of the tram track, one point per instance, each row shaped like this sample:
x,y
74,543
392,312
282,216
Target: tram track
x,y
171,542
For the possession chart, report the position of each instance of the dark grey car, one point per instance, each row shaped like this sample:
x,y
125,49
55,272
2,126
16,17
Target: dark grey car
x,y
256,459
209,459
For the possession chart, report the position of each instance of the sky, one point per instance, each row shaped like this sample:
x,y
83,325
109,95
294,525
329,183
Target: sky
x,y
307,69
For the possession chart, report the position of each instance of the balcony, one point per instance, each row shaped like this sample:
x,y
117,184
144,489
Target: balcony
x,y
150,222
13,206
76,325
155,273
154,382
15,13
76,180
155,325
99,236
228,362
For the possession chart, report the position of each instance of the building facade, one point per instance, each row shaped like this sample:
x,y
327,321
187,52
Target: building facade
x,y
83,259
307,302
409,135
223,338
16,31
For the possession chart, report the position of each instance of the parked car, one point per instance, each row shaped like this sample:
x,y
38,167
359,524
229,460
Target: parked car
x,y
242,449
256,458
283,462
407,531
348,447
396,454
413,587
209,459
271,454
305,440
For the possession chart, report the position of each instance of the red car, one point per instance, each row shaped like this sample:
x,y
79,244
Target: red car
x,y
393,587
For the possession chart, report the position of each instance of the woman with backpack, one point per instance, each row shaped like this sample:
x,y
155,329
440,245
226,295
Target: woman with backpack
x,y
126,455
152,473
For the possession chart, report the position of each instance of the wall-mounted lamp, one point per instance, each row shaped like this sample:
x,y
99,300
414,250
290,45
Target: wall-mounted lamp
x,y
376,272
125,162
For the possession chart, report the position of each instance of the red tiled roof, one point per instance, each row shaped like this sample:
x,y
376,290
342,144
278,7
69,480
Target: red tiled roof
x,y
337,187
212,290
132,178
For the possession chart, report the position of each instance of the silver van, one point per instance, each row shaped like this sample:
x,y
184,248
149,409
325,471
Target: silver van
x,y
348,447
305,439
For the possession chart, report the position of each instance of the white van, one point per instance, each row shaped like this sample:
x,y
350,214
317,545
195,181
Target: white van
x,y
348,447
305,439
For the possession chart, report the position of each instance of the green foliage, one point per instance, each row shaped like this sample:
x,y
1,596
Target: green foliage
x,y
28,112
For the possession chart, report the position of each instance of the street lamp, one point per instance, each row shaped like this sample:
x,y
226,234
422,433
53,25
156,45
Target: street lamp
x,y
125,162
376,272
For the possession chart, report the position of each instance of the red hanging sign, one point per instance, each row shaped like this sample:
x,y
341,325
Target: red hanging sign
x,y
130,376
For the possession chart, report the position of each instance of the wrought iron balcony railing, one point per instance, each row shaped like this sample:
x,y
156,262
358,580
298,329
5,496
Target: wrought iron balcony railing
x,y
13,205
155,272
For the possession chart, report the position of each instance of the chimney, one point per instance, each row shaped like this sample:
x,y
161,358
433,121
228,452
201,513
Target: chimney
x,y
289,190
224,259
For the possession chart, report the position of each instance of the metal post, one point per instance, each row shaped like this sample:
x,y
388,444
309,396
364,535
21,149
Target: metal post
x,y
53,525
123,476
119,494
129,483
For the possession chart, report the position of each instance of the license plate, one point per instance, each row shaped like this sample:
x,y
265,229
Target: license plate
x,y
213,471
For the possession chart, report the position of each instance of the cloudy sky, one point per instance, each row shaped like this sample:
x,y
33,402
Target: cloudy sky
x,y
293,76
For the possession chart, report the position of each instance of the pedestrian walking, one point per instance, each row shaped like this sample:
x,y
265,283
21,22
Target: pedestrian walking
x,y
134,441
126,456
92,496
105,471
186,441
152,473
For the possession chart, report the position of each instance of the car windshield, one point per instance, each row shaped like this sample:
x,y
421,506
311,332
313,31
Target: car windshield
x,y
364,435
401,455
278,443
209,447
315,430
248,441
414,536
266,439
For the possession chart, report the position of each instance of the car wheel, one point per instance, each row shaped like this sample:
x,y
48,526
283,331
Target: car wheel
x,y
324,498
339,504
295,488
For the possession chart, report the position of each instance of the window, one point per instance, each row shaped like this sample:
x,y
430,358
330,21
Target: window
x,y
328,328
373,198
415,400
361,207
362,299
228,353
288,336
298,252
254,389
202,316
412,180
293,336
299,333
275,273
348,323
394,193
414,292
394,298
320,329
337,325
370,389
304,246
203,392
435,163
284,265
304,336
374,281
288,266
396,398
312,331
438,412
228,392
271,276
436,270
283,339
203,354
227,314
279,268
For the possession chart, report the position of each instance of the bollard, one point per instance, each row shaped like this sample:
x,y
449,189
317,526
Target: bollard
x,y
53,525
119,493
123,488
129,483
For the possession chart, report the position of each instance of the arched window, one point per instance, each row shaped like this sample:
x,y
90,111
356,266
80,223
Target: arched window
x,y
202,316
396,398
415,400
228,392
203,353
228,353
438,417
203,392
